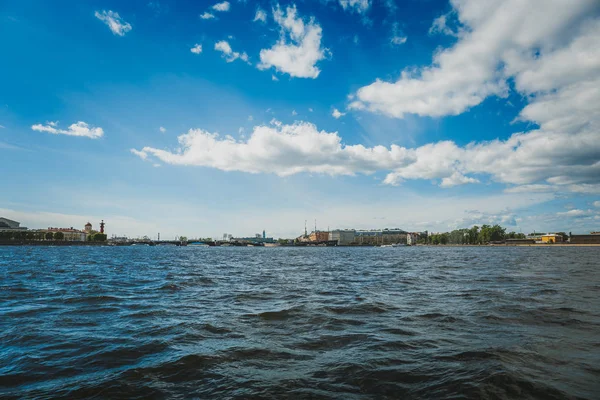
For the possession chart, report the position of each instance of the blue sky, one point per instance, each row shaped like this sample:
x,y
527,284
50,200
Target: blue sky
x,y
200,118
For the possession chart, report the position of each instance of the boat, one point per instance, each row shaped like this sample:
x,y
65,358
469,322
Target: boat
x,y
394,245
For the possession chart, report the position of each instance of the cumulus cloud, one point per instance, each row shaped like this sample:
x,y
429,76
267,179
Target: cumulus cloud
x,y
597,204
499,40
358,6
207,15
162,129
197,49
114,22
299,47
221,7
337,114
228,54
78,129
536,161
260,16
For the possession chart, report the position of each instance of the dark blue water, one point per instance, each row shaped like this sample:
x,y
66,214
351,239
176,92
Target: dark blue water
x,y
347,323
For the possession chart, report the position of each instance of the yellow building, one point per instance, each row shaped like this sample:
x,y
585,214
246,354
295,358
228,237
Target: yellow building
x,y
552,238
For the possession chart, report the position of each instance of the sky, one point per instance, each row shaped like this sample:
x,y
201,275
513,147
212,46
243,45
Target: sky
x,y
200,118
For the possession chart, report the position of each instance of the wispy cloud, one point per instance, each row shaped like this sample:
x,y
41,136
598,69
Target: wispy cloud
x,y
260,16
224,47
115,23
80,128
207,15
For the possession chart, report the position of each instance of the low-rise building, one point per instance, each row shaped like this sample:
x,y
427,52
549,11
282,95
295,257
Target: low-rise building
x,y
551,238
412,238
318,236
70,234
380,236
592,238
343,237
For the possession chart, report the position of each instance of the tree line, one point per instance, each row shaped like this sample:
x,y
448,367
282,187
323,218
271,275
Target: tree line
x,y
475,235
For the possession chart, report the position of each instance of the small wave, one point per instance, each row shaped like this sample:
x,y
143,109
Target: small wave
x,y
276,315
330,342
215,329
362,308
91,299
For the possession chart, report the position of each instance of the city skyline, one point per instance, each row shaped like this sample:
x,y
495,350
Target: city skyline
x,y
212,117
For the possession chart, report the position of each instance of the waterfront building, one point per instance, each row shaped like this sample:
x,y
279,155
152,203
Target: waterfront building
x,y
256,239
380,236
70,234
318,236
10,225
551,238
412,238
343,237
88,228
592,238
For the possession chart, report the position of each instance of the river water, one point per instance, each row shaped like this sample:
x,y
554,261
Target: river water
x,y
347,323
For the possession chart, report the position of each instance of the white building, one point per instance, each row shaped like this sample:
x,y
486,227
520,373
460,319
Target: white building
x,y
412,238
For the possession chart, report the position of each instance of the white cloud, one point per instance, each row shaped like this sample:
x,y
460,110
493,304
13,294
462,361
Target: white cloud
x,y
397,38
499,40
207,15
456,179
140,154
114,22
162,129
440,25
197,49
597,204
299,55
576,213
536,161
274,78
310,110
221,7
228,54
78,129
358,6
294,112
337,114
261,16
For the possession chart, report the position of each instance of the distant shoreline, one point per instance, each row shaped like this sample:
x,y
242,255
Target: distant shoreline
x,y
96,244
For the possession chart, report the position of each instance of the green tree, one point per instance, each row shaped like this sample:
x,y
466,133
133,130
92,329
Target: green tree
x,y
59,236
49,235
100,237
473,235
29,236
